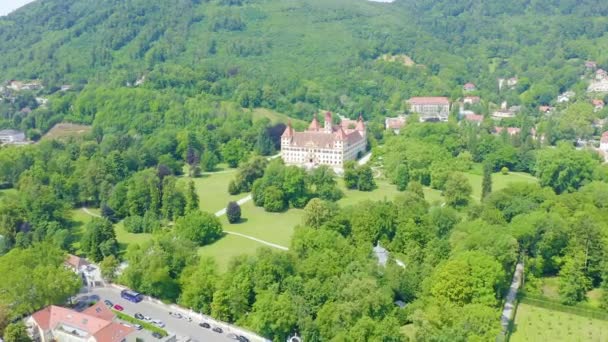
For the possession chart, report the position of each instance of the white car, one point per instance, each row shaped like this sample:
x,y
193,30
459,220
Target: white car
x,y
175,314
158,323
147,318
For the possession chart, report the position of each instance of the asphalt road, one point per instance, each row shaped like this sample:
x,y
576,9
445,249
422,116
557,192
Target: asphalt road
x,y
180,327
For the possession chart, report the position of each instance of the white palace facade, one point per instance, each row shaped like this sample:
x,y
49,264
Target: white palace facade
x,y
330,145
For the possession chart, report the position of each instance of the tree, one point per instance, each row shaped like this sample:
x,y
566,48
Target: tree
x,y
108,267
468,278
209,161
573,283
366,179
457,190
233,212
191,198
274,200
486,183
198,285
564,168
351,176
16,332
317,212
199,227
402,176
234,152
38,278
99,240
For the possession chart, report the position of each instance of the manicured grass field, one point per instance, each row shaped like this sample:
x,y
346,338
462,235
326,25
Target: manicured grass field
x,y
212,190
499,181
384,190
538,324
125,238
227,248
272,227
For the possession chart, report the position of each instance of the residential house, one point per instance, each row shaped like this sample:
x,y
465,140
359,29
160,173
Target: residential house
x,y
510,130
512,82
601,74
546,109
590,65
432,108
95,324
76,263
598,104
565,97
469,87
604,142
474,119
598,86
503,114
471,100
395,124
330,144
10,136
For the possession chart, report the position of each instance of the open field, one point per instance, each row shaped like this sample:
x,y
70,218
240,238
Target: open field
x,y
538,324
227,248
125,238
275,117
384,190
499,181
212,190
66,130
272,227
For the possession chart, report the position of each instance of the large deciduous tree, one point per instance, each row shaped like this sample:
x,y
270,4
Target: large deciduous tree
x,y
199,227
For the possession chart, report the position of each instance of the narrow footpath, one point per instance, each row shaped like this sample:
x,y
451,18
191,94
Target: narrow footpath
x,y
509,309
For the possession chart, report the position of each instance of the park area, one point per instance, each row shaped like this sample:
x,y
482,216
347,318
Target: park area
x,y
533,323
259,228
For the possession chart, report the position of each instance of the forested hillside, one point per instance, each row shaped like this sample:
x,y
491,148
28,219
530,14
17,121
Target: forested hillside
x,y
297,56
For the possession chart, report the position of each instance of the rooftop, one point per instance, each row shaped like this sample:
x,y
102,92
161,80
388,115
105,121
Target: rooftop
x,y
432,100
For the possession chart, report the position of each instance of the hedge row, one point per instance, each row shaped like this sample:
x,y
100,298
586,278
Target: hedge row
x,y
145,325
543,302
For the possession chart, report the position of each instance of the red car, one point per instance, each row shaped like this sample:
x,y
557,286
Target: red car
x,y
118,307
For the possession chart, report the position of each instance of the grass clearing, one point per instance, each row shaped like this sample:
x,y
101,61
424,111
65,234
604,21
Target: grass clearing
x,y
227,248
212,190
66,130
272,227
499,181
538,324
384,190
274,117
125,238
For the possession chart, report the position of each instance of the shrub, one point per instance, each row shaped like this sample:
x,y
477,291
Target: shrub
x,y
233,212
274,199
504,170
233,188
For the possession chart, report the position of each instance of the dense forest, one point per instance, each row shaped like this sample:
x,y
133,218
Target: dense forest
x,y
168,89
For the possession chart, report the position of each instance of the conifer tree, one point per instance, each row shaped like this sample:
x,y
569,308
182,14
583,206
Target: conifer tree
x,y
486,184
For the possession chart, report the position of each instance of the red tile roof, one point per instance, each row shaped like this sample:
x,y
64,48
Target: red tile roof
x,y
314,125
76,262
474,118
604,139
598,102
430,100
96,321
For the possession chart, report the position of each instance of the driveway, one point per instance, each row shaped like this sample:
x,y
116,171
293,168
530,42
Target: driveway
x,y
180,327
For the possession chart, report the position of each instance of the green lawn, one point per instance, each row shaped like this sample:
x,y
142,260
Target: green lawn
x,y
7,192
125,238
212,190
538,324
272,227
499,181
275,117
227,248
384,190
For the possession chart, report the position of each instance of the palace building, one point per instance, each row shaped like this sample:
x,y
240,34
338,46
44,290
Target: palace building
x,y
330,145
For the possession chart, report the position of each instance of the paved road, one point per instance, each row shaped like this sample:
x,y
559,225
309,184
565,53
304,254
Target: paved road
x,y
156,311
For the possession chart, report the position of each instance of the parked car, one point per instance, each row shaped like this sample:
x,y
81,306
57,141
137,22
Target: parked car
x,y
175,314
218,330
137,327
138,316
189,319
243,338
157,335
232,336
118,307
147,318
158,323
108,303
204,325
